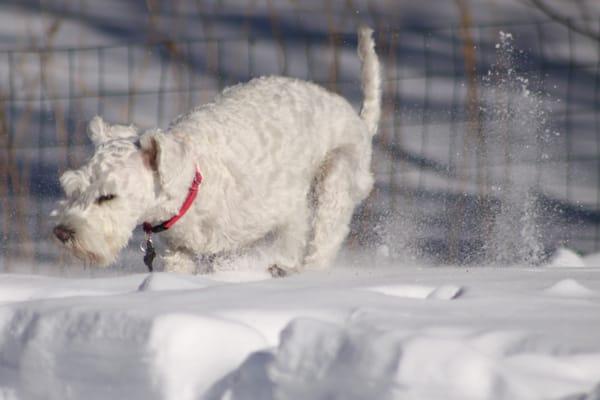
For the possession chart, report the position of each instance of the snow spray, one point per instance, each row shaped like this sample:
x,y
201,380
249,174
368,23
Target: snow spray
x,y
516,134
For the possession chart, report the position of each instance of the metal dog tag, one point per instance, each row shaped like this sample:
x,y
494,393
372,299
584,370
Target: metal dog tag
x,y
149,254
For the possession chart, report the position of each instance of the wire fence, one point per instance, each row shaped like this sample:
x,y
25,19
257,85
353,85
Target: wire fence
x,y
485,143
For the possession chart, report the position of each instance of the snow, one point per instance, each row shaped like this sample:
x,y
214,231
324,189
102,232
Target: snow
x,y
570,288
567,258
445,292
353,332
592,260
190,352
358,331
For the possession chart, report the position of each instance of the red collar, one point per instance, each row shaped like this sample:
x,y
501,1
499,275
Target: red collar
x,y
187,203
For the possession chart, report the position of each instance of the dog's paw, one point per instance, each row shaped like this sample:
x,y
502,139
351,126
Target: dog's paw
x,y
277,272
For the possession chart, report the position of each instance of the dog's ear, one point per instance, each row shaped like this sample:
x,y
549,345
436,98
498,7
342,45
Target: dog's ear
x,y
169,158
73,182
98,130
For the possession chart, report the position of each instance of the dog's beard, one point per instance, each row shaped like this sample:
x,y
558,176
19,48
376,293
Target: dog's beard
x,y
97,254
96,246
86,255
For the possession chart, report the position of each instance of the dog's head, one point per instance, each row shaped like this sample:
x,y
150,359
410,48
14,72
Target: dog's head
x,y
124,183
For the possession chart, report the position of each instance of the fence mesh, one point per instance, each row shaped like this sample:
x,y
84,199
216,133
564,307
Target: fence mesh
x,y
485,143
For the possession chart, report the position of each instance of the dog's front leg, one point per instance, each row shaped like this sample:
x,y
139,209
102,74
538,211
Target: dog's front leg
x,y
180,261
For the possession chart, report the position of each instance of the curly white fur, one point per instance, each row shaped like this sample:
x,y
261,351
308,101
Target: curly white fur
x,y
280,157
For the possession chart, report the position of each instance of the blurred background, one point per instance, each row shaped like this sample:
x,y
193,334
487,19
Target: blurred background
x,y
488,152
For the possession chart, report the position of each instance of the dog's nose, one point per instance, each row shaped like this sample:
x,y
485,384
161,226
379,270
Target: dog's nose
x,y
63,233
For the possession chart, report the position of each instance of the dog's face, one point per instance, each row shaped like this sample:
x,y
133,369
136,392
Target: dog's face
x,y
105,198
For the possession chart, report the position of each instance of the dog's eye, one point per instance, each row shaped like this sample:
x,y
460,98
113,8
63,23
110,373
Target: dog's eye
x,y
105,197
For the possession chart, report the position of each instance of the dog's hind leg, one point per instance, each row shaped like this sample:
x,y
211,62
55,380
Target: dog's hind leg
x,y
290,243
334,203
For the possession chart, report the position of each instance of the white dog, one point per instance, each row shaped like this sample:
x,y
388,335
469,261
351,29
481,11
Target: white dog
x,y
276,157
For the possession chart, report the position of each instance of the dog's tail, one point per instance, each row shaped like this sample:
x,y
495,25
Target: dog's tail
x,y
370,79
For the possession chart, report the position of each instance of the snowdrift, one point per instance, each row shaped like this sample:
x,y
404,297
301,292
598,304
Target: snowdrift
x,y
368,333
